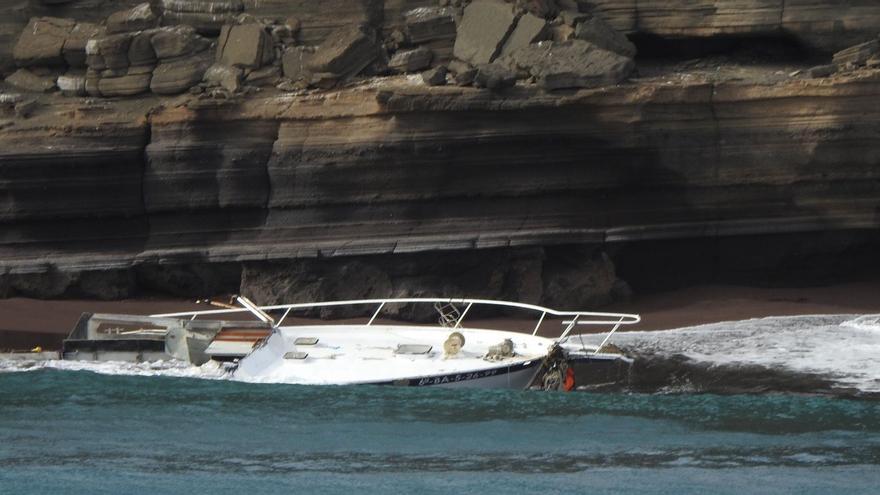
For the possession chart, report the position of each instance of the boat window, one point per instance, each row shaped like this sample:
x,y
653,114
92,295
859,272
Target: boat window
x,y
296,355
305,341
413,349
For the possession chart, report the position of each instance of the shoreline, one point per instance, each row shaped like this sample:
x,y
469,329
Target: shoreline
x,y
26,323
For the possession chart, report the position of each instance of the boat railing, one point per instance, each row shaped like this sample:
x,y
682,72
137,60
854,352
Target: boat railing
x,y
453,319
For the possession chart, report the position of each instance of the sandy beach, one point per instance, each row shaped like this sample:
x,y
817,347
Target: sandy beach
x,y
26,323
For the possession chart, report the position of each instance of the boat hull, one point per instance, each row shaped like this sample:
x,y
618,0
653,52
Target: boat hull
x,y
518,376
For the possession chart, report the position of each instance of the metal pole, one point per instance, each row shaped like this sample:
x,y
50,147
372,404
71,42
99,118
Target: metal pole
x,y
540,320
608,336
571,325
282,318
376,313
463,314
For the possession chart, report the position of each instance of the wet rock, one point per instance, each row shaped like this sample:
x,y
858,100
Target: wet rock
x,y
245,45
74,49
178,41
484,28
346,52
137,18
571,64
127,85
228,78
821,71
411,60
529,29
435,76
178,75
599,33
857,55
26,80
42,41
429,24
494,76
295,62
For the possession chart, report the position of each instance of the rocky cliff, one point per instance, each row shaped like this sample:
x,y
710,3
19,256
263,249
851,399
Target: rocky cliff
x,y
380,168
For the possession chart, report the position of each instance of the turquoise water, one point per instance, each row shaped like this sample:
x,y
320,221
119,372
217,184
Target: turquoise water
x,y
81,432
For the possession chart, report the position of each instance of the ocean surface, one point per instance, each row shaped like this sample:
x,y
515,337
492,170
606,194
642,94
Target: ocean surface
x,y
158,428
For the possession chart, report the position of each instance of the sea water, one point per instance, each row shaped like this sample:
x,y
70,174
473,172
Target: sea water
x,y
155,428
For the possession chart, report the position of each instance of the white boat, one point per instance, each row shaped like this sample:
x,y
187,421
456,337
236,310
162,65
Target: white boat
x,y
449,354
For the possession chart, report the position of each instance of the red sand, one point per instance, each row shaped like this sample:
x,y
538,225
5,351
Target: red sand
x,y
29,322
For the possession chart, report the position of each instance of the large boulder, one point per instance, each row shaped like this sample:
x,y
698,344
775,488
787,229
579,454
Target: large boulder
x,y
529,29
295,63
571,64
26,80
599,33
246,45
429,24
42,41
345,52
178,75
74,49
137,18
178,41
113,50
484,27
411,60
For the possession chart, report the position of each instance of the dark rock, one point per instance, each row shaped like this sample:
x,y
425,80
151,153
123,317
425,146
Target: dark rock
x,y
42,41
466,77
74,49
25,108
529,29
178,41
137,18
858,54
577,279
483,30
573,18
430,23
203,23
105,285
198,280
599,33
822,70
546,9
246,45
267,76
411,60
494,76
140,51
435,76
346,52
229,78
26,80
47,284
295,62
571,64
178,75
127,85
113,50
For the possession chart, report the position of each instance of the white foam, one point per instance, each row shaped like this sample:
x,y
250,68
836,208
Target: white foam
x,y
171,368
843,348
